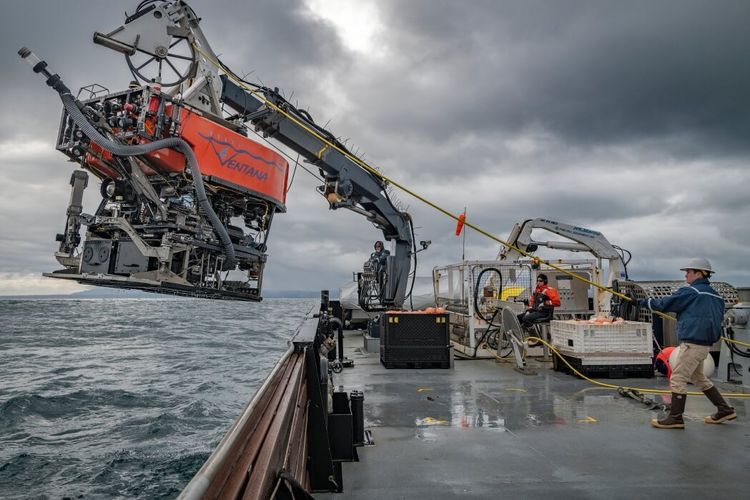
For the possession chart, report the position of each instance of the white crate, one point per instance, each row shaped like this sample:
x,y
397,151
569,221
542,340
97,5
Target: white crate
x,y
581,337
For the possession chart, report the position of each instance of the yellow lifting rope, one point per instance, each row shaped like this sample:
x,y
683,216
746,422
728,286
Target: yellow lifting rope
x,y
328,144
730,341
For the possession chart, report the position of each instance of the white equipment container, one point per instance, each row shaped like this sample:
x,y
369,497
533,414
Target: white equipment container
x,y
581,337
598,349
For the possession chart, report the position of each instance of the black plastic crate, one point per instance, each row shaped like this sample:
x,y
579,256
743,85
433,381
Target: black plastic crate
x,y
414,329
414,340
604,371
415,357
418,353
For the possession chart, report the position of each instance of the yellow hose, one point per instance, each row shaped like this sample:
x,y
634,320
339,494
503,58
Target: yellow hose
x,y
730,341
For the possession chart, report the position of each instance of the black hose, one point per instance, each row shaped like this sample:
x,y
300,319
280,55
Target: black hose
x,y
625,261
729,334
486,332
476,292
414,252
629,309
72,106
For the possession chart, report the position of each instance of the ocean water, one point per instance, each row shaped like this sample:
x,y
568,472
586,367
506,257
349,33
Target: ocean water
x,y
126,398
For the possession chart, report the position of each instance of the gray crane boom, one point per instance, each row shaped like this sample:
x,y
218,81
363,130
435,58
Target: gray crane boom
x,y
347,184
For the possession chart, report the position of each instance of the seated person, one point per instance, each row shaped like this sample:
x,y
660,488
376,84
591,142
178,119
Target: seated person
x,y
542,305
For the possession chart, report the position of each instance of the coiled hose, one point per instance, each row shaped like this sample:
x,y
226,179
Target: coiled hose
x,y
629,309
71,105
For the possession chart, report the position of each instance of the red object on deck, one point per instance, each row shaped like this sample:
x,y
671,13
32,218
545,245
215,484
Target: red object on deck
x,y
663,356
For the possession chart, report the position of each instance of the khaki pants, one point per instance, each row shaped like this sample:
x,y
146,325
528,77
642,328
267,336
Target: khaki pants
x,y
689,368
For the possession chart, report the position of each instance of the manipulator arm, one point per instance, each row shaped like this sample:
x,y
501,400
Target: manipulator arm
x,y
71,237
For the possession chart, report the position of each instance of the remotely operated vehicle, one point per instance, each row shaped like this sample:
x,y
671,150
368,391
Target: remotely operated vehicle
x,y
186,196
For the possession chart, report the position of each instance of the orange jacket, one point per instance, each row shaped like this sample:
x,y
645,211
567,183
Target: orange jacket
x,y
544,294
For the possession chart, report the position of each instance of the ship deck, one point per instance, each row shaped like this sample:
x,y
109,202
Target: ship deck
x,y
484,430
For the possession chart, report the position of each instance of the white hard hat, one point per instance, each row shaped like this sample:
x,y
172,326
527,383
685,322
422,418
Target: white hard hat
x,y
699,264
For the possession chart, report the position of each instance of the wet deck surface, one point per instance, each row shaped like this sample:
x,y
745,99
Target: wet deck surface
x,y
483,430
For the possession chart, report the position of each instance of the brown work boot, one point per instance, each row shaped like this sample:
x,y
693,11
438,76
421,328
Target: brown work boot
x,y
674,419
725,412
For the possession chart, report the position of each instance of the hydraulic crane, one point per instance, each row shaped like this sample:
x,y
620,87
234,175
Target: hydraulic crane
x,y
178,171
583,240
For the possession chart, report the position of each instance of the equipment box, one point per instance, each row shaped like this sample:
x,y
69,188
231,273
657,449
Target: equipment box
x,y
612,350
582,337
414,340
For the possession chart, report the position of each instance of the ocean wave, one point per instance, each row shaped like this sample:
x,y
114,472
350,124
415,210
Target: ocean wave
x,y
69,405
124,398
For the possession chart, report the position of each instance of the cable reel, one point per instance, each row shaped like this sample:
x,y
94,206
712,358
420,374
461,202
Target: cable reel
x,y
177,61
154,51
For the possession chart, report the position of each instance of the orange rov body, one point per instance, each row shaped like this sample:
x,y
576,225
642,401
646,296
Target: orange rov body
x,y
223,154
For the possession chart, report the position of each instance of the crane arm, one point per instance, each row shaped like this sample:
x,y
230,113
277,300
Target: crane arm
x,y
586,240
347,184
580,239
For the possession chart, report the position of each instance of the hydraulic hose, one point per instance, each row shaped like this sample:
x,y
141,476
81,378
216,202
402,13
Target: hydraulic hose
x,y
728,337
72,106
476,292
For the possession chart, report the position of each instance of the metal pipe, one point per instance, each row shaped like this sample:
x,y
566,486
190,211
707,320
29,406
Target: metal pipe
x,y
340,340
111,43
358,416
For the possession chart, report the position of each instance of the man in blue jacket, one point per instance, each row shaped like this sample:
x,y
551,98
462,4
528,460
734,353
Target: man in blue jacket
x,y
700,312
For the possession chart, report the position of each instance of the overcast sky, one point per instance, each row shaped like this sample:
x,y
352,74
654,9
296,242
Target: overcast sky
x,y
631,118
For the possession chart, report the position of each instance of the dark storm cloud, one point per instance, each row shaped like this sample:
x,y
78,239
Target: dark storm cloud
x,y
586,71
273,39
